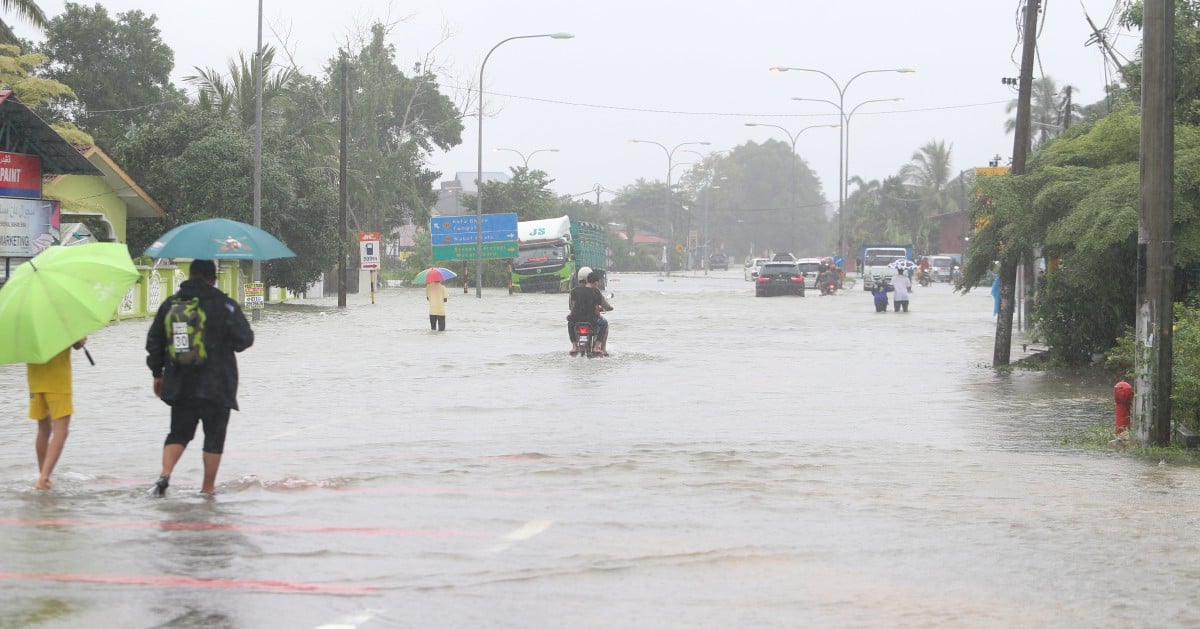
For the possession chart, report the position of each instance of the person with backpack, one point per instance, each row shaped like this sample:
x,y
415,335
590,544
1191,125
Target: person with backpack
x,y
190,352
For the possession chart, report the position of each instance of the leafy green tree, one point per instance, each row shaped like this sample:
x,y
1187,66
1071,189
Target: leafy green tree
x,y
200,165
397,121
1187,55
930,171
17,73
26,10
119,69
527,194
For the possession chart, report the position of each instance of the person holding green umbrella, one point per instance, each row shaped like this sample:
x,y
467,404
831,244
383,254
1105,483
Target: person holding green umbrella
x,y
49,306
50,404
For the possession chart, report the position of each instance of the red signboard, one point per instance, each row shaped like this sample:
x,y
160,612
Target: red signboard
x,y
20,176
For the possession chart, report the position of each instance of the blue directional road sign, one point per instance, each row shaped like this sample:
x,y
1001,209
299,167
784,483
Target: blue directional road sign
x,y
448,234
442,225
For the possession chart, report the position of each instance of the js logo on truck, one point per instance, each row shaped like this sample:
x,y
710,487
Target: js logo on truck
x,y
538,231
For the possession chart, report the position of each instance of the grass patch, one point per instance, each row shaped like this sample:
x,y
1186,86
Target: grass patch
x,y
1105,438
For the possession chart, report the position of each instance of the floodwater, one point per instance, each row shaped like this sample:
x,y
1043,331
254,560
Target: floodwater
x,y
735,462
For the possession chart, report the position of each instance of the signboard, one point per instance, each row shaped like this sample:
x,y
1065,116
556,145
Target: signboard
x,y
491,251
442,225
368,246
27,226
991,170
455,238
20,175
254,293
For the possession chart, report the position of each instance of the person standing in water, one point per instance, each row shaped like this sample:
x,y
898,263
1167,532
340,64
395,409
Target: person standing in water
x,y
437,296
51,405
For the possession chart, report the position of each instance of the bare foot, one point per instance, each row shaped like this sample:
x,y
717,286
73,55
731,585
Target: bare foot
x,y
42,484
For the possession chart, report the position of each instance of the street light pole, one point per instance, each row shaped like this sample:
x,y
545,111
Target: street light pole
x,y
256,266
841,105
479,164
793,139
668,225
525,158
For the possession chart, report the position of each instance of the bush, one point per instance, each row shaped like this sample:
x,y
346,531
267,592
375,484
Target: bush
x,y
1185,364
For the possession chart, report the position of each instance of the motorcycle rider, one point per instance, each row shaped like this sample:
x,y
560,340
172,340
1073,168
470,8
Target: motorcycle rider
x,y
586,302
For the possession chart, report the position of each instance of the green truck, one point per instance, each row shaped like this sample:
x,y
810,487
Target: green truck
x,y
551,251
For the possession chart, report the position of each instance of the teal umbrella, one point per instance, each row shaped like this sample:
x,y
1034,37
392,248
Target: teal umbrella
x,y
218,239
61,296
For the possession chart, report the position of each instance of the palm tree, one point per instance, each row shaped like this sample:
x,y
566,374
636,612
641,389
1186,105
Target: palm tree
x,y
234,94
1047,103
27,10
929,170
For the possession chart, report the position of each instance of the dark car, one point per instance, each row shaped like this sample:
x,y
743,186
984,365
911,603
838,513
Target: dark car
x,y
779,278
718,260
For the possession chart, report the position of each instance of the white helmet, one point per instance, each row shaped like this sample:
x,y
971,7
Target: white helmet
x,y
583,273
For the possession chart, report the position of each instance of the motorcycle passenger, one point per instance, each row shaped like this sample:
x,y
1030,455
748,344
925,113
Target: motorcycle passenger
x,y
586,303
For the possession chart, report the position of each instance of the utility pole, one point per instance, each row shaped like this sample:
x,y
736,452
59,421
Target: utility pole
x,y
343,189
1151,421
1008,261
1067,113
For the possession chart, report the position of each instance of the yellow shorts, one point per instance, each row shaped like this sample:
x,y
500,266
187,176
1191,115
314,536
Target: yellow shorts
x,y
52,405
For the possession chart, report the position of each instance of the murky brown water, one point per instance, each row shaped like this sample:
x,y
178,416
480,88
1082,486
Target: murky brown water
x,y
736,462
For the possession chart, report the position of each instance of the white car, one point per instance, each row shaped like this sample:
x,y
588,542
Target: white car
x,y
752,266
811,269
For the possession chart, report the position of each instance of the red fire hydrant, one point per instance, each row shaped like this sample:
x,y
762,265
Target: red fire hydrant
x,y
1123,396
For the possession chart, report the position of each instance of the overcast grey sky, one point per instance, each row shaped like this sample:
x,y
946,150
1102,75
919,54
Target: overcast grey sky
x,y
675,72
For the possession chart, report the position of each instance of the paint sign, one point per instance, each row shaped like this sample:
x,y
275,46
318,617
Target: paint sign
x,y
368,251
20,175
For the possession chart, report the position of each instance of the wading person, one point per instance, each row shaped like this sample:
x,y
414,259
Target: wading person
x,y
437,296
51,405
190,351
901,285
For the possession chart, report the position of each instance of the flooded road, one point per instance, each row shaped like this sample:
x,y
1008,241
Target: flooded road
x,y
735,462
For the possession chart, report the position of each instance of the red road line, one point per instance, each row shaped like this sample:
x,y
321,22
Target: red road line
x,y
256,528
262,585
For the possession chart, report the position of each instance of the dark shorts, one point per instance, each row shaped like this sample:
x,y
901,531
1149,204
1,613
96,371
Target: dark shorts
x,y
187,414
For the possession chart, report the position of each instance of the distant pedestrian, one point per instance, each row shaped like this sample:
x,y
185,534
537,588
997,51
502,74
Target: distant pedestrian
x,y
51,405
437,296
901,285
879,291
996,295
190,352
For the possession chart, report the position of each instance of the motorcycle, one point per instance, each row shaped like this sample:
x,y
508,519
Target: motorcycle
x,y
925,277
828,288
587,339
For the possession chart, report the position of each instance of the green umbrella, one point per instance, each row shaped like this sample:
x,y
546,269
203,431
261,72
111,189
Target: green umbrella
x,y
61,296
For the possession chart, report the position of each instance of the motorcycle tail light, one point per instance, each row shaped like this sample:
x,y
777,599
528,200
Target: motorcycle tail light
x,y
584,329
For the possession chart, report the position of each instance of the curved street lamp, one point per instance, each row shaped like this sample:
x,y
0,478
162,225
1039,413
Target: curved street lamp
x,y
841,106
479,164
669,226
846,118
525,158
793,138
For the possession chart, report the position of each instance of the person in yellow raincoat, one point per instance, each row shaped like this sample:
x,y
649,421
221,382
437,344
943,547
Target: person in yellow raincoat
x,y
437,295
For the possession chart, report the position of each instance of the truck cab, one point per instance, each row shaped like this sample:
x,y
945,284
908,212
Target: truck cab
x,y
876,260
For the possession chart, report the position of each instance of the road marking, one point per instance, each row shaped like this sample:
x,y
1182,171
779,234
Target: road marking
x,y
261,585
254,528
352,621
530,529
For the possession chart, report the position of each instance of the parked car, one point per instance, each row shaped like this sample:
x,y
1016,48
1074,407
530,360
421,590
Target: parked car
x,y
718,260
811,268
752,266
779,278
